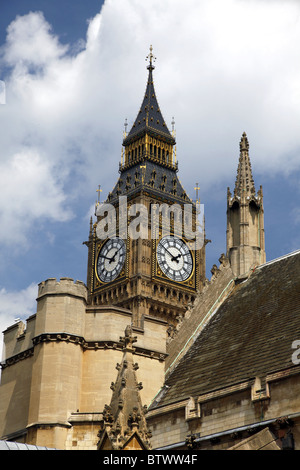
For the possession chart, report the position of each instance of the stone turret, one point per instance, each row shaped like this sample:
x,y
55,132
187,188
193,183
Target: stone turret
x,y
66,296
245,218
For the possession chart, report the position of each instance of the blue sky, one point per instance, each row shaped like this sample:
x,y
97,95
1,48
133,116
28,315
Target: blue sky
x,y
68,17
73,71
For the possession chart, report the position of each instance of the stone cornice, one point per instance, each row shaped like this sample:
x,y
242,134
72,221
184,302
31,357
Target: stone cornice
x,y
110,308
226,391
47,424
18,357
85,345
89,417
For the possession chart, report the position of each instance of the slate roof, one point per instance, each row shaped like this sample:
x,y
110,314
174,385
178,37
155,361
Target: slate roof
x,y
149,117
162,181
250,335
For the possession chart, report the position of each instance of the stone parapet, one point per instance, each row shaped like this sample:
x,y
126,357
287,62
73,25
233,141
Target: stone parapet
x,y
65,286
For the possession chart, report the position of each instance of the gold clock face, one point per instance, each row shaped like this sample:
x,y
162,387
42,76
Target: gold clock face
x,y
174,258
111,259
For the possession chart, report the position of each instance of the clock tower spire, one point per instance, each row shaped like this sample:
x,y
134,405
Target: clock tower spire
x,y
149,137
148,266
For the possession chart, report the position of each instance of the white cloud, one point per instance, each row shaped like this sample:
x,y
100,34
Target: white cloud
x,y
29,186
222,68
2,92
30,41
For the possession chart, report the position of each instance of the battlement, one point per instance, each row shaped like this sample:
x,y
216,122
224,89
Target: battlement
x,y
65,286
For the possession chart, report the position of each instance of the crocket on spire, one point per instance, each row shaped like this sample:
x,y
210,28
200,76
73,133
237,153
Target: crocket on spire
x,y
244,184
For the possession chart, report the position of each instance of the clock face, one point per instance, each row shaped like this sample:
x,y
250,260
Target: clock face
x,y
174,258
111,259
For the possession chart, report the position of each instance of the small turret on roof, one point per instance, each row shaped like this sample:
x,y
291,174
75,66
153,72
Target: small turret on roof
x,y
245,218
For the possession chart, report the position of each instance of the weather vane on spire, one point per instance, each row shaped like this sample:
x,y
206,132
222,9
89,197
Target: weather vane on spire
x,y
151,59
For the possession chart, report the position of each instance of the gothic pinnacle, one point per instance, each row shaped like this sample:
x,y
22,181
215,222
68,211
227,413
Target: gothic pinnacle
x,y
244,185
125,416
244,144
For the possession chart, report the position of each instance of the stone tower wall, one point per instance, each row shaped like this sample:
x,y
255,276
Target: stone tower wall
x,y
58,368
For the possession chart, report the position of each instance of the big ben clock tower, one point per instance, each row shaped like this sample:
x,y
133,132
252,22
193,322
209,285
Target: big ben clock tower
x,y
148,261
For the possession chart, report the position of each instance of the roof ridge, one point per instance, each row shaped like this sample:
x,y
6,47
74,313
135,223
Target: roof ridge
x,y
280,258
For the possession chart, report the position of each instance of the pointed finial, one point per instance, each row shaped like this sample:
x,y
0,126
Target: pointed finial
x,y
125,127
151,58
197,188
99,191
173,126
244,184
97,203
244,144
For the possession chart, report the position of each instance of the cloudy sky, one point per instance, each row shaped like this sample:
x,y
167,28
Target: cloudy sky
x,y
71,72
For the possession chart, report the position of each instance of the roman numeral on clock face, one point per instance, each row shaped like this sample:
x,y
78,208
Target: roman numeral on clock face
x,y
174,258
111,259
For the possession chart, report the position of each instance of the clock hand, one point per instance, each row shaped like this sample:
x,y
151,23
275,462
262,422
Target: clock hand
x,y
109,259
113,258
169,252
173,258
105,257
